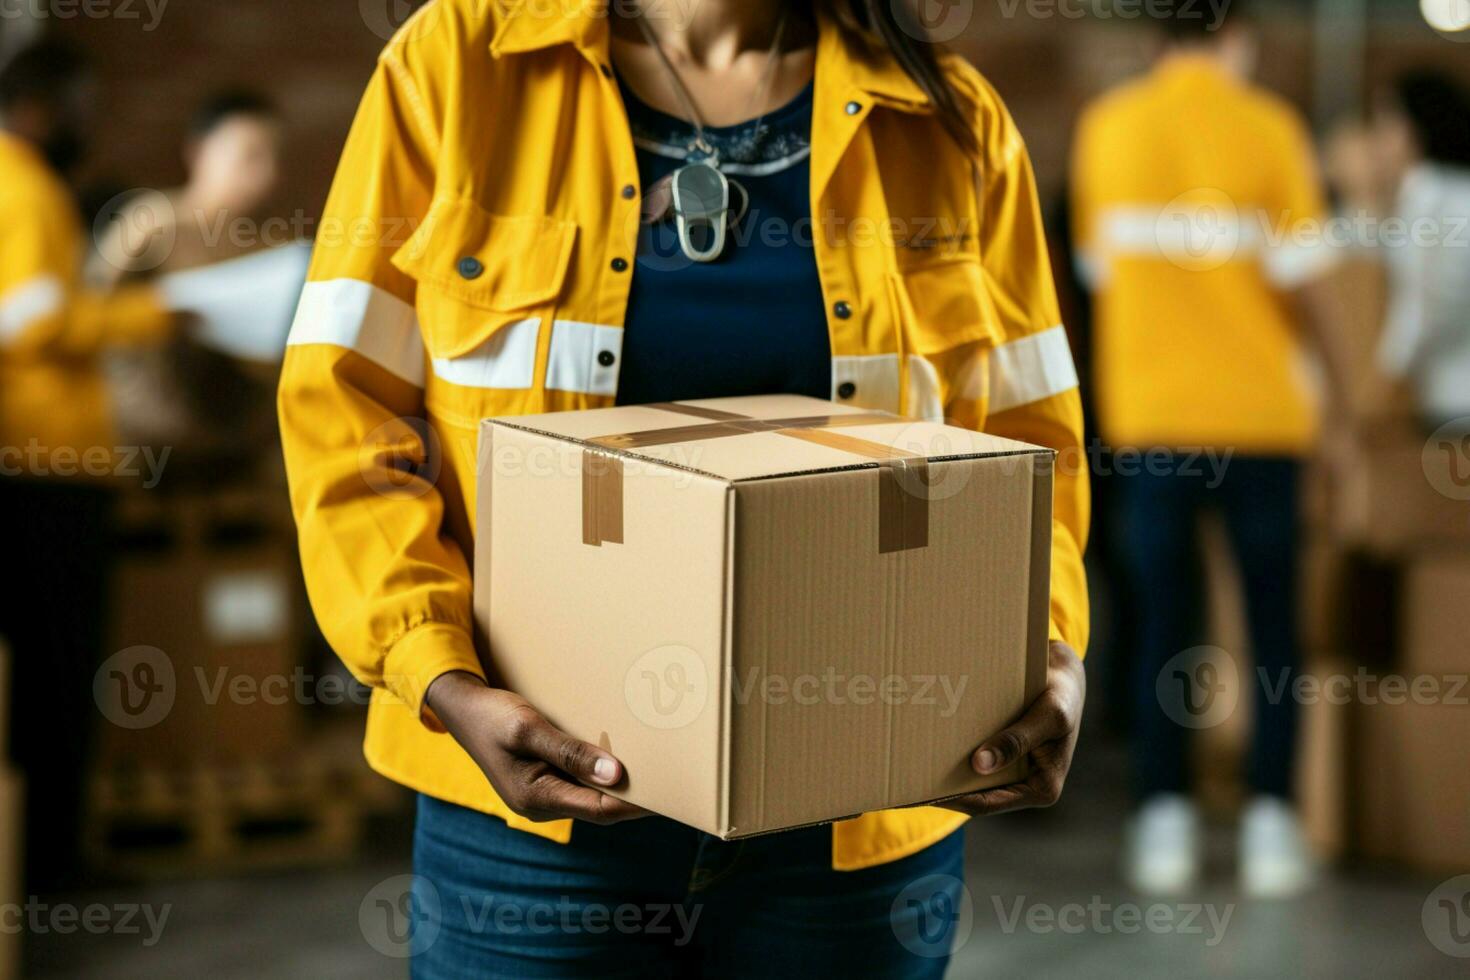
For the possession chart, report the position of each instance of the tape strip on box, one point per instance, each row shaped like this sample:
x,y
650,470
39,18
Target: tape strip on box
x,y
903,477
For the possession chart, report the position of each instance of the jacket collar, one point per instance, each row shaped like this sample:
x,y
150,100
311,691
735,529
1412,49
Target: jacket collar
x,y
531,25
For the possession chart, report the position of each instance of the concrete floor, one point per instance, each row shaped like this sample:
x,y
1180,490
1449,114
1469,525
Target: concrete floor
x,y
1061,862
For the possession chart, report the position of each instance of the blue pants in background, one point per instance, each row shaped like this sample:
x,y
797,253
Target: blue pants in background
x,y
1160,507
653,898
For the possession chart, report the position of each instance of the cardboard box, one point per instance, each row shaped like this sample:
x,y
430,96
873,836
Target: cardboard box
x,y
5,709
211,589
1412,787
776,611
1323,764
12,891
1409,491
1435,622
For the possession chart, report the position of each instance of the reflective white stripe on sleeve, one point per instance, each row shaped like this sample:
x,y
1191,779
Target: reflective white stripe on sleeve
x,y
1030,369
584,357
1204,238
873,377
361,317
1289,266
507,359
925,395
25,304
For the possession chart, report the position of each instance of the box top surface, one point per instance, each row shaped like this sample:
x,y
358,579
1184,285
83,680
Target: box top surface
x,y
763,436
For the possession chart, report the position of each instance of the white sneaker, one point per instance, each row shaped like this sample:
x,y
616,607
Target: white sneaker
x,y
1275,861
1164,850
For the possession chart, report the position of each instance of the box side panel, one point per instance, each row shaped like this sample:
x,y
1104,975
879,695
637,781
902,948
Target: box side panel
x,y
864,680
619,644
1040,599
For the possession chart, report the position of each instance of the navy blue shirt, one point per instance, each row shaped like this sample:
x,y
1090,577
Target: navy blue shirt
x,y
752,322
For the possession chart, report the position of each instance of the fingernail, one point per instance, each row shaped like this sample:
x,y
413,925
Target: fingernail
x,y
986,760
604,770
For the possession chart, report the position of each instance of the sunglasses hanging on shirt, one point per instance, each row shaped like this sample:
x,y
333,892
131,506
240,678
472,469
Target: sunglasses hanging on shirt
x,y
698,193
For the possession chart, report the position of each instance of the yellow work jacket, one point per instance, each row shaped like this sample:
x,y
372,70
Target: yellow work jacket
x,y
54,419
474,260
1198,210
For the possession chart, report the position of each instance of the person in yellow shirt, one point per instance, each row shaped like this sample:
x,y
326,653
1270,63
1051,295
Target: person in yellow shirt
x,y
58,461
496,242
1198,220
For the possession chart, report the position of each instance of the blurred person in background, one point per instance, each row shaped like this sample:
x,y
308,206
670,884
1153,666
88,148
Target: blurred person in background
x,y
201,401
1196,196
499,134
232,157
57,483
1411,165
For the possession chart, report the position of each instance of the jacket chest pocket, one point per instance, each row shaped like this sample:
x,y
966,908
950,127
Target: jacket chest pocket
x,y
487,287
949,325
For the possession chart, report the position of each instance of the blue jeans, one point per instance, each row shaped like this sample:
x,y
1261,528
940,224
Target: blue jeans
x,y
1257,497
653,898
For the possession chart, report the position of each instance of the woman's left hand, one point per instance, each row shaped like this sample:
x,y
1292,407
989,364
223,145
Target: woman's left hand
x,y
1047,733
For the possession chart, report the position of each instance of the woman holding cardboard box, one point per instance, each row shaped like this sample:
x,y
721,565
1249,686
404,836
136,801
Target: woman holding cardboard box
x,y
559,207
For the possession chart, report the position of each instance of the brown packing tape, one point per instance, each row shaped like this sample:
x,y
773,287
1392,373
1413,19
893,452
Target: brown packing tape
x,y
725,428
602,498
903,477
903,484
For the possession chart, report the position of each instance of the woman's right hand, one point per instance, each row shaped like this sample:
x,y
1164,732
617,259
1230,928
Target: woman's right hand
x,y
537,769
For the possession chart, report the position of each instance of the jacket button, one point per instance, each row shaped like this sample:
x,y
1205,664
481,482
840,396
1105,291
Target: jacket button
x,y
841,309
853,108
846,390
629,192
620,264
606,358
470,267
606,70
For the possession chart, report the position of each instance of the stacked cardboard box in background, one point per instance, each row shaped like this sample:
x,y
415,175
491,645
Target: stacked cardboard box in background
x,y
1385,629
1411,795
11,827
209,579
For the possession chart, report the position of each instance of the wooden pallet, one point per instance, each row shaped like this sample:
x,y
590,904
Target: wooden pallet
x,y
310,810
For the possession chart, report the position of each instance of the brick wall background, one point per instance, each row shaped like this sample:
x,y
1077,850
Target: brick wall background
x,y
315,57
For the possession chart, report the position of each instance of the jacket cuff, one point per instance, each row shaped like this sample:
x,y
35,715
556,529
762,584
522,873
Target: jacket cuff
x,y
420,657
